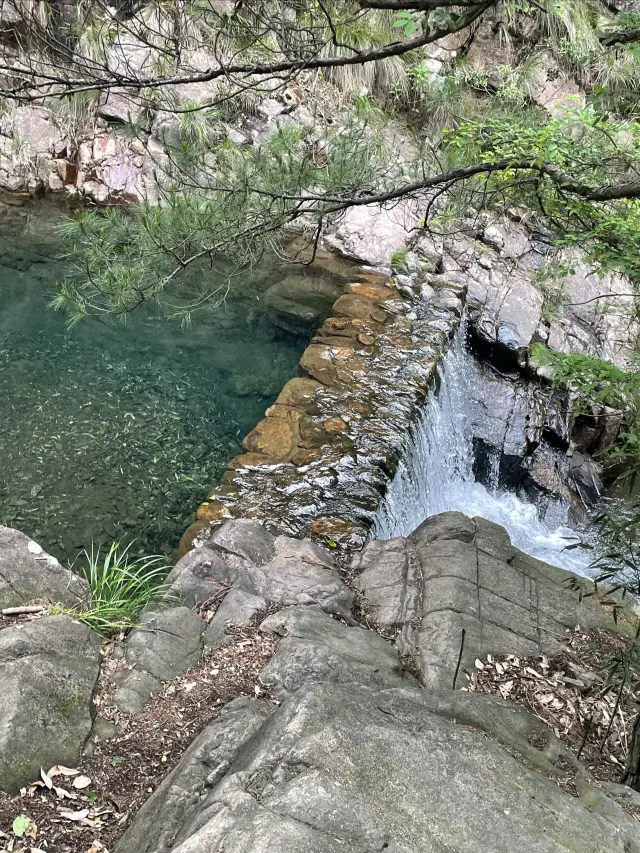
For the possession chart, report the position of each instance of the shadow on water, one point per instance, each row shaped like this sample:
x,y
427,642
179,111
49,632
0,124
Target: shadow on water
x,y
117,430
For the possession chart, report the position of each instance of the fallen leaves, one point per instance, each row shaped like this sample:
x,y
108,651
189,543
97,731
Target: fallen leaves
x,y
569,693
85,809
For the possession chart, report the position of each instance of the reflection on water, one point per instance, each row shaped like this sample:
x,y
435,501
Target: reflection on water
x,y
117,430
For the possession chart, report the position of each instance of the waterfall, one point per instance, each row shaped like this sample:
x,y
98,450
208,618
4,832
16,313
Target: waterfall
x,y
436,475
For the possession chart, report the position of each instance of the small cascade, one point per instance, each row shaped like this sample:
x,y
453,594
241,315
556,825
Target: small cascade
x,y
436,475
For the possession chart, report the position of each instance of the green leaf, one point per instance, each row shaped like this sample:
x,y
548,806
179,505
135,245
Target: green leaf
x,y
21,825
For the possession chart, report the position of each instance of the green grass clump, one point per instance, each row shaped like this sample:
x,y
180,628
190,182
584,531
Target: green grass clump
x,y
398,261
121,587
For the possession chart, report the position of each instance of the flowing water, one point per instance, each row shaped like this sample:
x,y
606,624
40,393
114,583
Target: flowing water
x,y
436,475
114,430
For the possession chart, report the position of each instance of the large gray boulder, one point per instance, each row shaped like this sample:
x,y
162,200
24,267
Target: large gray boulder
x,y
347,768
457,588
48,671
27,573
317,648
354,756
283,571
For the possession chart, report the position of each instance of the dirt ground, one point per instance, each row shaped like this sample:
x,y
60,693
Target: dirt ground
x,y
85,809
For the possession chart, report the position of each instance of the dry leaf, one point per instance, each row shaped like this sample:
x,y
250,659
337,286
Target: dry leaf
x,y
66,814
506,688
479,664
81,782
61,770
62,793
45,778
532,672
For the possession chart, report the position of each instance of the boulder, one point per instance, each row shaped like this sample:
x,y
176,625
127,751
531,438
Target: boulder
x,y
348,768
163,646
371,234
28,573
135,689
166,644
238,609
244,556
302,572
457,589
317,648
245,569
120,107
299,304
48,672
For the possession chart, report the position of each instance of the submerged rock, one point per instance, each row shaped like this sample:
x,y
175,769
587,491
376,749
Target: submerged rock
x,y
300,304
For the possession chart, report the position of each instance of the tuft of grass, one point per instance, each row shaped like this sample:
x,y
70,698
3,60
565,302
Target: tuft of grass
x,y
398,260
121,587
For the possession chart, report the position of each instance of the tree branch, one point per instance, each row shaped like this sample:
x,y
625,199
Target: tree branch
x,y
621,37
113,79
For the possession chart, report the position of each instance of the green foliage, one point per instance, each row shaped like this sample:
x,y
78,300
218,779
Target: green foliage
x,y
121,587
358,32
590,150
597,383
407,22
398,260
220,202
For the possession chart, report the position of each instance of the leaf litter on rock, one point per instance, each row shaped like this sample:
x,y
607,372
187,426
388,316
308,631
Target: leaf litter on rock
x,y
122,772
568,693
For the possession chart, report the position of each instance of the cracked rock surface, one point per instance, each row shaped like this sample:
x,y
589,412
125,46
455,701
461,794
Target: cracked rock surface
x,y
455,574
353,754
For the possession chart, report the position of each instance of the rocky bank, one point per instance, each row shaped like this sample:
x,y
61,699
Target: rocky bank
x,y
356,742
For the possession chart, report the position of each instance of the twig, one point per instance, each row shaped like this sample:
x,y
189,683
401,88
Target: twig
x,y
455,677
23,611
587,729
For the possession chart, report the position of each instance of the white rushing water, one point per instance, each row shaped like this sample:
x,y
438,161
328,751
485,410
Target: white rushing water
x,y
436,475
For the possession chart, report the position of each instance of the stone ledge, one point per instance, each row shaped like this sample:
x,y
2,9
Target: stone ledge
x,y
320,461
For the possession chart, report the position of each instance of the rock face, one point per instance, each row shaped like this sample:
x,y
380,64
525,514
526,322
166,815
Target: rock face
x,y
458,589
242,569
27,573
48,671
513,302
353,769
526,439
358,758
371,234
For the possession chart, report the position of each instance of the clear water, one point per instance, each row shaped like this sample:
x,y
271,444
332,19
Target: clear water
x,y
436,475
111,430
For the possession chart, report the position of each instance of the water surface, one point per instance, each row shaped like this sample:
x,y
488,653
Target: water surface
x,y
117,430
